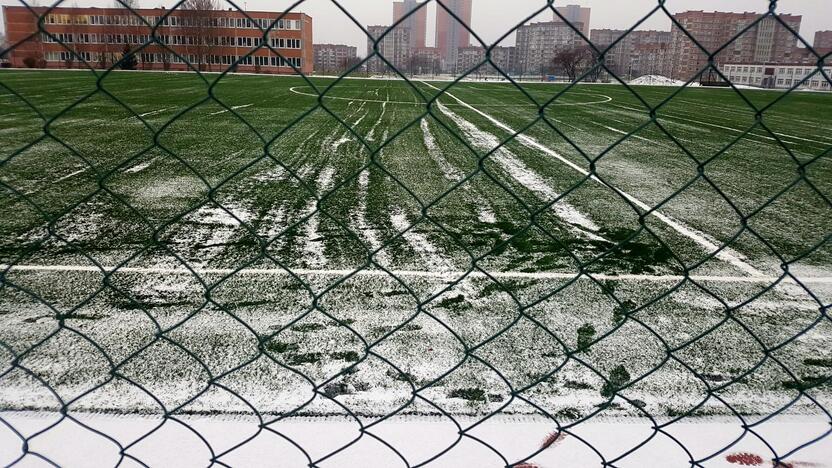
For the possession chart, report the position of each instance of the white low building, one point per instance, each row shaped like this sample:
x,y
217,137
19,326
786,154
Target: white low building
x,y
777,76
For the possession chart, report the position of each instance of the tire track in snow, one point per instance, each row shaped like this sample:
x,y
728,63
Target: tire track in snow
x,y
707,242
314,245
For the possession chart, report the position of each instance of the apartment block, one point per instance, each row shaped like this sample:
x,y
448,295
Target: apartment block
x,y
766,41
574,14
212,40
450,33
636,53
416,19
538,43
823,40
393,45
333,57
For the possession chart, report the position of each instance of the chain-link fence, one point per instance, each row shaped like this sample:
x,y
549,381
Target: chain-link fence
x,y
383,245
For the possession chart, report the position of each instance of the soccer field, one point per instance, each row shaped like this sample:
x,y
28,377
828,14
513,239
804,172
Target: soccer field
x,y
241,244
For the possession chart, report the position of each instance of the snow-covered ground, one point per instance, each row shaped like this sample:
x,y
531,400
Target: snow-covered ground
x,y
497,442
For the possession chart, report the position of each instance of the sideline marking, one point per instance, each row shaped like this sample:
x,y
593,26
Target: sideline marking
x,y
604,99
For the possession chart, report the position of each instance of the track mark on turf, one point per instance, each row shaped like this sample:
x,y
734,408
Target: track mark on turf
x,y
232,108
725,254
314,245
524,175
375,125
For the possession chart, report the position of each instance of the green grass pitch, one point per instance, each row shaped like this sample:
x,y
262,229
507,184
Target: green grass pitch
x,y
398,255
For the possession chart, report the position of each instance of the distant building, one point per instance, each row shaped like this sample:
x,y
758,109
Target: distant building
x,y
98,36
574,14
782,76
333,57
450,33
505,58
416,21
394,46
823,40
538,43
473,58
767,41
637,53
426,61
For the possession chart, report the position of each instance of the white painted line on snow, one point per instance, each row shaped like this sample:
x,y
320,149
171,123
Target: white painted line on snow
x,y
232,108
704,240
543,275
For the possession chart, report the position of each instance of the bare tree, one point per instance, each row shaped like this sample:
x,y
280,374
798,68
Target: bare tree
x,y
202,30
572,62
126,4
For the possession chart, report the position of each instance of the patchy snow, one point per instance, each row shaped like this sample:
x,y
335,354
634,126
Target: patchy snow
x,y
367,231
656,80
523,174
314,246
141,166
419,242
372,131
711,245
448,170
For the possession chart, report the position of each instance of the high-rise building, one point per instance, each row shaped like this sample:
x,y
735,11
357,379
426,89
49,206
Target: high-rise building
x,y
333,57
416,21
637,53
574,14
767,41
394,46
823,40
538,43
97,37
450,33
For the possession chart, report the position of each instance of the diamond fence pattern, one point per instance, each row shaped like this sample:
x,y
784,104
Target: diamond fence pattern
x,y
615,383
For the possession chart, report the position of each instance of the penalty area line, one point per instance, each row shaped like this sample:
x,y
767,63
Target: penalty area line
x,y
409,273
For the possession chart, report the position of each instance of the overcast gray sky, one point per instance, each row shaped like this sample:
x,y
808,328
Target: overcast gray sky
x,y
492,18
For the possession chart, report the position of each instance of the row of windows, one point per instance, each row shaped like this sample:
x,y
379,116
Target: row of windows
x,y
270,61
87,38
266,61
181,21
780,70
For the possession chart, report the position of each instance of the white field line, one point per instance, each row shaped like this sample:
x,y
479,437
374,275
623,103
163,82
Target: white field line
x,y
704,240
524,174
730,129
822,280
232,108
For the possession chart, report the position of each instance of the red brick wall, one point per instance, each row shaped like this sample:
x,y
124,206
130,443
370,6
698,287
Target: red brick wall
x,y
21,23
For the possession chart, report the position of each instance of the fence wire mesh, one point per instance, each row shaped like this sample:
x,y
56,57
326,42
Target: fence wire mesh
x,y
67,299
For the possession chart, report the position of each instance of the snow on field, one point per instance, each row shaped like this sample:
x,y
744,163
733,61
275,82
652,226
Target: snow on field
x,y
524,174
314,246
657,80
372,132
494,443
726,254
